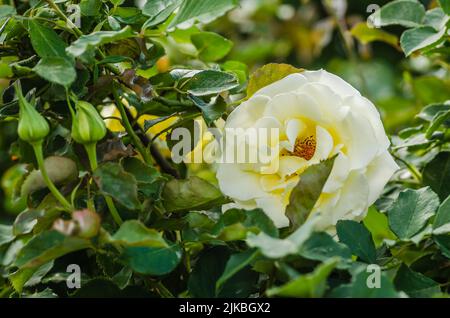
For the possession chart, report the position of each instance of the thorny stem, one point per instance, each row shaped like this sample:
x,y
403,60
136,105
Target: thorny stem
x,y
37,147
159,158
92,155
129,129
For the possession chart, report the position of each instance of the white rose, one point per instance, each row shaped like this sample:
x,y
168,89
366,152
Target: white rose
x,y
337,120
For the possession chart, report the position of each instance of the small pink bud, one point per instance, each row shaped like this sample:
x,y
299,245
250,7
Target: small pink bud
x,y
88,223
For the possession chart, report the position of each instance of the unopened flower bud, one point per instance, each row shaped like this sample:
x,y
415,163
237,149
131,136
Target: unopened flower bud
x,y
88,223
33,127
87,125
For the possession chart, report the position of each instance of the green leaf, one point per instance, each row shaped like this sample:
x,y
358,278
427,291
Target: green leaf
x,y
211,46
436,174
277,248
408,13
232,225
429,112
238,68
366,35
158,11
6,11
411,211
90,8
443,242
378,225
242,285
123,277
203,11
269,74
45,41
152,122
310,285
134,233
420,38
358,238
48,246
359,287
57,70
436,18
211,111
90,41
442,216
46,293
190,194
211,82
415,284
307,191
207,270
149,180
34,220
440,119
112,180
321,247
153,260
6,234
235,263
445,5
155,7
27,277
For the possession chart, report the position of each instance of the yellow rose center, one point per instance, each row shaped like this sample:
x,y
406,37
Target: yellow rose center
x,y
305,147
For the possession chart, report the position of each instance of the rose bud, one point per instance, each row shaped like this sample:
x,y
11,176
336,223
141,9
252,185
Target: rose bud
x,y
87,125
33,127
88,223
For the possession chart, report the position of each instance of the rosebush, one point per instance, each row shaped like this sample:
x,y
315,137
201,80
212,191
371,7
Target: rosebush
x,y
92,95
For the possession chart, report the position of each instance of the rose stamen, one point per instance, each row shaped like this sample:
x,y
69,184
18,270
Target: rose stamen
x,y
305,148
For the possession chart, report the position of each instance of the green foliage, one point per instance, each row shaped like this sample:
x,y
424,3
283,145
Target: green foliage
x,y
305,194
202,11
358,239
267,75
309,285
411,211
192,193
211,46
114,181
415,284
426,28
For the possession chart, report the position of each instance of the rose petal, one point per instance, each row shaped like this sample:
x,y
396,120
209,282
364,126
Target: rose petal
x,y
274,209
239,184
378,174
289,83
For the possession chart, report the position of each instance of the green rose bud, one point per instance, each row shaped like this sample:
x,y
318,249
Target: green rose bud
x,y
33,127
87,125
